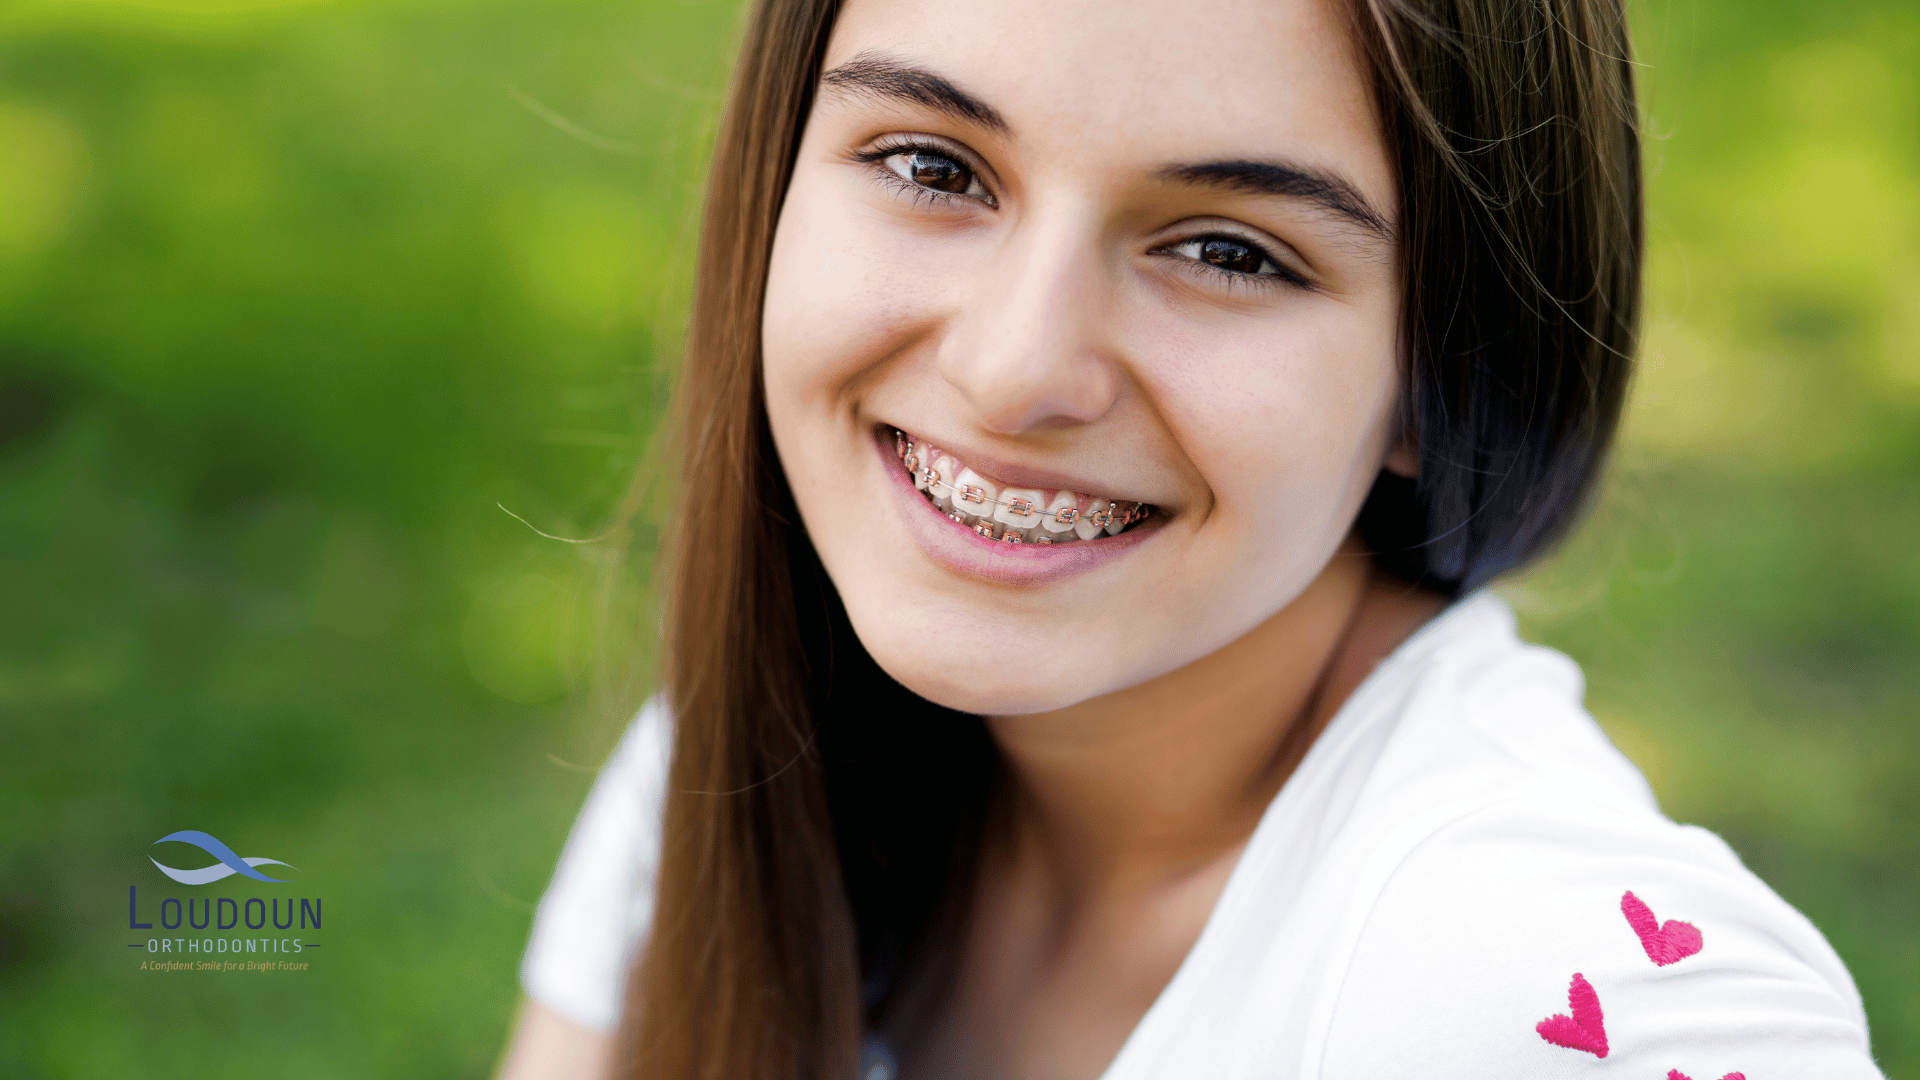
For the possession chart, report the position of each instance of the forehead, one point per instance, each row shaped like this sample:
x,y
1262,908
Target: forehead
x,y
1158,81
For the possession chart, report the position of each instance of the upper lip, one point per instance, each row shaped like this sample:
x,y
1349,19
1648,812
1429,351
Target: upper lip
x,y
1010,473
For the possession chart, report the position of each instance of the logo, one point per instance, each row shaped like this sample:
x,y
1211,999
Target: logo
x,y
230,925
229,864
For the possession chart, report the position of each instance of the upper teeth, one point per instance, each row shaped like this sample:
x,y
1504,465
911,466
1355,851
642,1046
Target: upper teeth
x,y
1025,515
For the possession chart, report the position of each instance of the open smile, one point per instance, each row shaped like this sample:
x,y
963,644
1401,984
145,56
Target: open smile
x,y
1000,511
1020,536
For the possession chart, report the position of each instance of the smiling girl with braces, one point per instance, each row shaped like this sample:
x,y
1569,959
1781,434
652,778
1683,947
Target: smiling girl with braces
x,y
1255,779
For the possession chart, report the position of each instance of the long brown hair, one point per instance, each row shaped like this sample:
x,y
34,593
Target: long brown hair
x,y
821,820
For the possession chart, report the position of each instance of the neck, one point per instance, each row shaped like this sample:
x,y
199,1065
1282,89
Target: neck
x,y
1149,785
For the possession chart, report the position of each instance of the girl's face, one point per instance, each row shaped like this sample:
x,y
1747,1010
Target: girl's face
x,y
1090,262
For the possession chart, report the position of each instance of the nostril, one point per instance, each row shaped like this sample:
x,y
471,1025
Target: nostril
x,y
1042,404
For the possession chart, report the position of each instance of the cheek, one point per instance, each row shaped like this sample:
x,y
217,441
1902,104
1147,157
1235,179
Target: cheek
x,y
810,282
841,298
1286,420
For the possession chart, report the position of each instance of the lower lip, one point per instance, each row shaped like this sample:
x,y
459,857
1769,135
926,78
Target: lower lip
x,y
961,550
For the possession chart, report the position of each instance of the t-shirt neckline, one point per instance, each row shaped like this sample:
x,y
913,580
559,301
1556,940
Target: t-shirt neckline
x,y
1175,999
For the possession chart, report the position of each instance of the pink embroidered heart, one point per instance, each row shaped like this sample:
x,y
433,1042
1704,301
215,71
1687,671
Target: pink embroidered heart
x,y
1665,945
1676,1074
1586,1029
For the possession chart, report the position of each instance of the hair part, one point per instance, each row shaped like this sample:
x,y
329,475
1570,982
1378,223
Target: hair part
x,y
822,822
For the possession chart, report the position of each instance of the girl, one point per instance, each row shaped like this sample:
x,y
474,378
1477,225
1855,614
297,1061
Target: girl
x,y
1098,421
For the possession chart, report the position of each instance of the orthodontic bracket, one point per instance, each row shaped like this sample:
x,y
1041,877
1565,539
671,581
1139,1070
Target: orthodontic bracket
x,y
1022,507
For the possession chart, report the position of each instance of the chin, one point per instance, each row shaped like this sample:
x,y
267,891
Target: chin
x,y
1004,681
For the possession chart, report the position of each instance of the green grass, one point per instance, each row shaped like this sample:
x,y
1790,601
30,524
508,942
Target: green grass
x,y
293,295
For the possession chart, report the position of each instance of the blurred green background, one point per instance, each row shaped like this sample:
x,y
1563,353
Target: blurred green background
x,y
295,296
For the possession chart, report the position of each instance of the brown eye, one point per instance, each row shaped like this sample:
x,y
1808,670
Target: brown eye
x,y
926,173
938,172
1232,261
1231,255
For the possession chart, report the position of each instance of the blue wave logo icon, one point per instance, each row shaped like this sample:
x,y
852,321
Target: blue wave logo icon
x,y
229,864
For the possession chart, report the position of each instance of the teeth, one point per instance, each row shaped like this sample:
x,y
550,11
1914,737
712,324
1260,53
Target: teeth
x,y
973,494
919,462
1020,508
941,482
1092,520
1025,515
1051,520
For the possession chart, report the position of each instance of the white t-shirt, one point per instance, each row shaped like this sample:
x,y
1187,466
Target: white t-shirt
x,y
1463,879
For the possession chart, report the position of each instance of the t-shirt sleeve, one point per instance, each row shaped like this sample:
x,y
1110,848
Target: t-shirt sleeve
x,y
1543,940
600,900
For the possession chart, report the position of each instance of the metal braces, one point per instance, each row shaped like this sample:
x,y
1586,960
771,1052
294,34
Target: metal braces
x,y
1023,507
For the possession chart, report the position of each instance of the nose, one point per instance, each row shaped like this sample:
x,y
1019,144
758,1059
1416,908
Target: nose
x,y
1028,347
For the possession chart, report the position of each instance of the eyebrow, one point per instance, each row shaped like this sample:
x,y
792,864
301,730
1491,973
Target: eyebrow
x,y
1328,190
883,76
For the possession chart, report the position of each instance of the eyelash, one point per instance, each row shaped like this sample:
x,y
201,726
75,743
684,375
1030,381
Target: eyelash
x,y
876,158
1282,275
